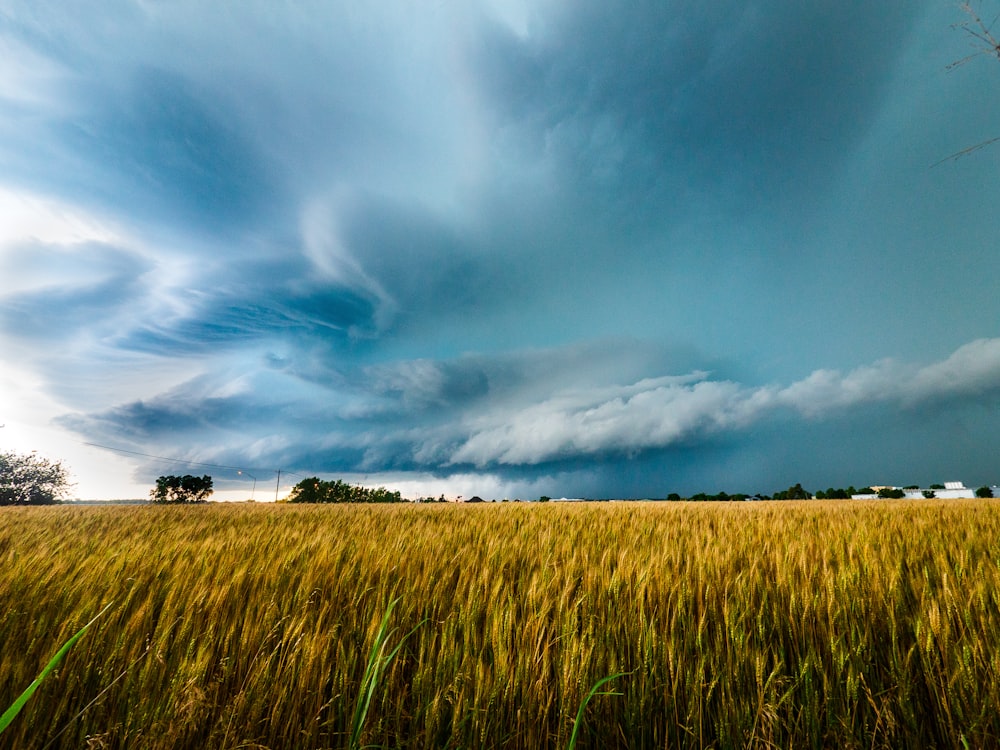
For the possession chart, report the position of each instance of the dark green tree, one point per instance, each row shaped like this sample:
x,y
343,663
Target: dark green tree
x,y
29,479
316,490
984,492
185,489
795,492
309,490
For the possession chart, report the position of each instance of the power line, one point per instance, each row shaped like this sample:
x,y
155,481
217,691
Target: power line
x,y
238,469
180,460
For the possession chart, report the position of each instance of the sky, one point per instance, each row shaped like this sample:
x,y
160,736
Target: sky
x,y
505,248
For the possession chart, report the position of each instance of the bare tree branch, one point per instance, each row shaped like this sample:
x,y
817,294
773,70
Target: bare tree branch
x,y
986,44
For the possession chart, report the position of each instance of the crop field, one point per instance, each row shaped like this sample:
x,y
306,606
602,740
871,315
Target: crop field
x,y
810,624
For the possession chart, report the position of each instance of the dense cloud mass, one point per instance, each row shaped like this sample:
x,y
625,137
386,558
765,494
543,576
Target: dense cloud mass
x,y
565,248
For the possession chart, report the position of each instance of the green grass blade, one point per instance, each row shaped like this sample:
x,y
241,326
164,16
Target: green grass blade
x,y
16,706
593,691
378,660
370,678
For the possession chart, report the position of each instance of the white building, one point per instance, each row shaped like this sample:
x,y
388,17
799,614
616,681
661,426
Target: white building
x,y
951,491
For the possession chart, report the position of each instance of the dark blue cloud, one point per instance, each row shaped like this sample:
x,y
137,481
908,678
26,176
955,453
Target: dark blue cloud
x,y
650,104
490,416
622,248
87,288
330,314
162,142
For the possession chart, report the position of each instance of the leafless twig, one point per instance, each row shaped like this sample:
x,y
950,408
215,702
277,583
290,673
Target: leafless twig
x,y
982,32
985,44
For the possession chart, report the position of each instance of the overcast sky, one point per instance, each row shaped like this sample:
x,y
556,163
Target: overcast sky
x,y
507,249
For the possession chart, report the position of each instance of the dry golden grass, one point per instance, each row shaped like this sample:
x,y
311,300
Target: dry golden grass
x,y
810,624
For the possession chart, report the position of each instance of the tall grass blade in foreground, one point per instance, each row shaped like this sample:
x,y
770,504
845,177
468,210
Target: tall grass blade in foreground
x,y
23,698
378,660
583,705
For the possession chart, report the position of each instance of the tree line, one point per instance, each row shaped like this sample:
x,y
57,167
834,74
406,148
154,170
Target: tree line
x,y
191,489
797,492
316,490
29,479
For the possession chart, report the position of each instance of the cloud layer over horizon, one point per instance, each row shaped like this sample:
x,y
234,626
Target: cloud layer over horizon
x,y
572,249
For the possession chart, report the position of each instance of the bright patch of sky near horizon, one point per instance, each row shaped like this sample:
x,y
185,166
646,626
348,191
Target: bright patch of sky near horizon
x,y
505,249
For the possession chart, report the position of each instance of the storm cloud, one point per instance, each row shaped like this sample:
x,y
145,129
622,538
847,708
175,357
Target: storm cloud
x,y
581,248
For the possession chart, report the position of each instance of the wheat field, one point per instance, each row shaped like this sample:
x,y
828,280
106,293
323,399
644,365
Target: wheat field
x,y
809,624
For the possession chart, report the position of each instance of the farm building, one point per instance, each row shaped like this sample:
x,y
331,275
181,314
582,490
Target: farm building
x,y
951,491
